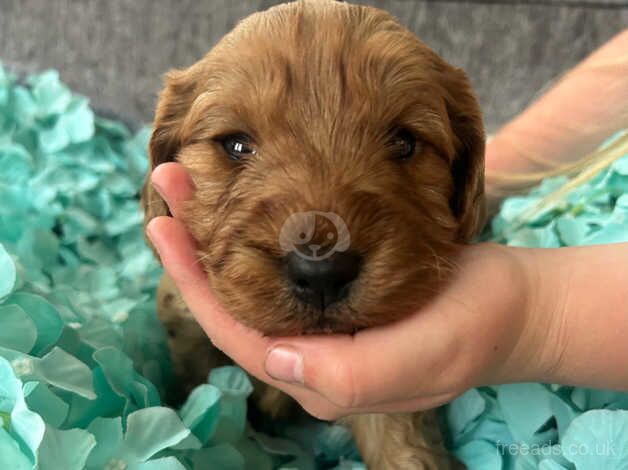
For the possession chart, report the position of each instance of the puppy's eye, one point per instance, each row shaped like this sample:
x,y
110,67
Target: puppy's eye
x,y
403,145
238,146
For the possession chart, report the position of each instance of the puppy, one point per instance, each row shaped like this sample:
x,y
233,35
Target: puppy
x,y
338,165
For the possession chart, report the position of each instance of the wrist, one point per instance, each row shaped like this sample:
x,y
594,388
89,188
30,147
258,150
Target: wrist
x,y
536,319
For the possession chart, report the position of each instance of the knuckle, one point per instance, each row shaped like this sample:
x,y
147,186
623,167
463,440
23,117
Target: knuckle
x,y
345,392
321,411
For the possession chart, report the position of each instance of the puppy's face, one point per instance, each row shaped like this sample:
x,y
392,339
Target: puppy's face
x,y
337,161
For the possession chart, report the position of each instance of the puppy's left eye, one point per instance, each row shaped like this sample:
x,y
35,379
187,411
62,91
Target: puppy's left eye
x,y
404,144
238,146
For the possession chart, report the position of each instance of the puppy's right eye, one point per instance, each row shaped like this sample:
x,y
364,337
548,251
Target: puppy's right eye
x,y
238,146
404,144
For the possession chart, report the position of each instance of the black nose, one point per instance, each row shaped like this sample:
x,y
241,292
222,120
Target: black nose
x,y
322,282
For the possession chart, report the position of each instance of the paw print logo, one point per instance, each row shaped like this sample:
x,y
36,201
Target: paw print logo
x,y
314,235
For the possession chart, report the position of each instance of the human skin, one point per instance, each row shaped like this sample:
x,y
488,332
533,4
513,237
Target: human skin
x,y
569,121
509,314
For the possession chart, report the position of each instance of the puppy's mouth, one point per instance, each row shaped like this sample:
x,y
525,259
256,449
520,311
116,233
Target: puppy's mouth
x,y
322,283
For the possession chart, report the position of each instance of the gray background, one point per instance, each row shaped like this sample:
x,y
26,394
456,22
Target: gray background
x,y
115,51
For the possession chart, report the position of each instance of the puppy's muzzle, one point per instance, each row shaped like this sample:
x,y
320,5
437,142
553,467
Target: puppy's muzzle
x,y
322,282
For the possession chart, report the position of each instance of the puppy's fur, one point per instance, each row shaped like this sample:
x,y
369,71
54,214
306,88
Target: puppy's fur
x,y
322,87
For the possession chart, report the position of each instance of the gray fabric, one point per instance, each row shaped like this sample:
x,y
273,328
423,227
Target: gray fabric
x,y
115,51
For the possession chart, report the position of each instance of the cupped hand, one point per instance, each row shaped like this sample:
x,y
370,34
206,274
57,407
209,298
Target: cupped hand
x,y
476,332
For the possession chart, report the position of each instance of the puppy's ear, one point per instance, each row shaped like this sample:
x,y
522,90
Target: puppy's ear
x,y
468,202
174,102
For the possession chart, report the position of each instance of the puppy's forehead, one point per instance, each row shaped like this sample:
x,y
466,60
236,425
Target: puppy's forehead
x,y
320,63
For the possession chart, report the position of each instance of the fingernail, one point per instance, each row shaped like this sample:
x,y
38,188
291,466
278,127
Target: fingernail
x,y
285,363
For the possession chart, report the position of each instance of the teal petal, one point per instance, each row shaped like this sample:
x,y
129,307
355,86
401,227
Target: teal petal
x,y
8,273
231,380
24,426
48,405
108,435
480,455
166,463
16,164
63,370
563,411
96,251
525,421
124,380
112,128
135,151
38,249
611,233
53,139
78,121
221,456
333,441
572,230
235,387
24,107
547,464
598,439
544,237
153,429
51,96
277,445
464,411
44,315
589,398
65,449
189,443
11,456
57,368
491,430
126,216
98,333
617,184
254,456
17,330
201,410
306,462
621,166
350,465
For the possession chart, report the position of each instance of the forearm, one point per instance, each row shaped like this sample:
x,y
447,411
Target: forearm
x,y
585,107
577,331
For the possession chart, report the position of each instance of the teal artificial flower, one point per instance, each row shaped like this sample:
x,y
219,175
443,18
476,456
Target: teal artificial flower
x,y
148,432
21,430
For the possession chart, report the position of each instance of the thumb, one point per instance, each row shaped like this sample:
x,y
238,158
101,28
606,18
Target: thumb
x,y
173,184
375,366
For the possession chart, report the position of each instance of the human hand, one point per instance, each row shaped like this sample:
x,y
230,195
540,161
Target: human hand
x,y
476,332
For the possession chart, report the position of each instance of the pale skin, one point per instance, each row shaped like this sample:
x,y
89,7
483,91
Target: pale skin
x,y
509,314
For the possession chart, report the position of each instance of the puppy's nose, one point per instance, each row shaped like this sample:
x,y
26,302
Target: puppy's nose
x,y
322,282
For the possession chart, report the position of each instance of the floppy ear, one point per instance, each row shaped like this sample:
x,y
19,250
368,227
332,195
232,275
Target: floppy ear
x,y
172,106
468,202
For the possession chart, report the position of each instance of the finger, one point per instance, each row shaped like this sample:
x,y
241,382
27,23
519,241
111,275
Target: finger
x,y
173,184
177,251
245,346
